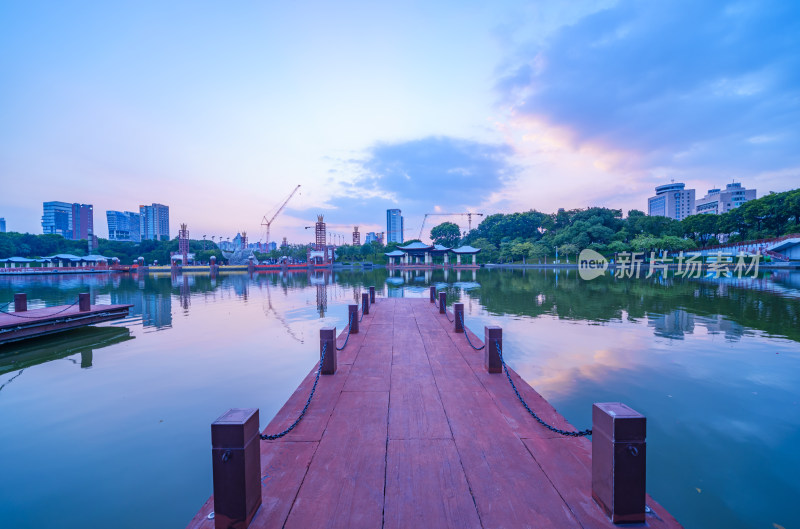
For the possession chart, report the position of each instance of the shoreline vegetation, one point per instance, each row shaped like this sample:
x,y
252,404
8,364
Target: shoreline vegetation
x,y
502,238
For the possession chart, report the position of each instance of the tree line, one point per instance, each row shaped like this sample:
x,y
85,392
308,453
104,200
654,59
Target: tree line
x,y
536,236
530,235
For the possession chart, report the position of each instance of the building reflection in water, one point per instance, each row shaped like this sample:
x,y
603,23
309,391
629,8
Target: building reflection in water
x,y
673,325
320,281
676,324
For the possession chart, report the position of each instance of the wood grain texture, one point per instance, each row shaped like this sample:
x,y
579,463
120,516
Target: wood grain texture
x,y
412,432
426,486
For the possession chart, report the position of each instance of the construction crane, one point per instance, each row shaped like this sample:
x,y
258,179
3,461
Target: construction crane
x,y
469,220
268,222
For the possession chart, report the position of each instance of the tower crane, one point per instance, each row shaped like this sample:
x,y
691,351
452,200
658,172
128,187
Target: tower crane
x,y
268,222
469,220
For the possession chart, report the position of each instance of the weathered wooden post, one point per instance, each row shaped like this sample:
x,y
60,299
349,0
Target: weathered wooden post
x,y
433,294
372,294
352,316
20,302
327,340
618,461
458,316
236,464
84,303
365,303
492,338
442,302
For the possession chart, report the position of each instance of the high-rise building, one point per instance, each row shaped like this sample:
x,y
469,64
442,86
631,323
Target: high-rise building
x,y
72,221
394,226
371,237
154,222
82,222
123,226
57,219
2,225
672,201
717,201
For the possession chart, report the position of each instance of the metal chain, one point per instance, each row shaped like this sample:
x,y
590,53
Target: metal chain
x,y
266,437
349,325
7,382
580,433
43,316
466,333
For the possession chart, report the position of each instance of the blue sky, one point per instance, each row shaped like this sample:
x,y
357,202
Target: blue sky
x,y
219,109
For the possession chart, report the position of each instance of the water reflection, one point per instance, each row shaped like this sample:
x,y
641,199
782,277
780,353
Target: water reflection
x,y
770,303
712,363
85,341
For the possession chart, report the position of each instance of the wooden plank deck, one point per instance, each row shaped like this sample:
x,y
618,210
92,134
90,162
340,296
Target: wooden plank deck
x,y
33,323
412,432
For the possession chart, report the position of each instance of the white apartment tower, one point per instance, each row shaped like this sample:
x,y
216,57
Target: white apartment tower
x,y
672,201
718,201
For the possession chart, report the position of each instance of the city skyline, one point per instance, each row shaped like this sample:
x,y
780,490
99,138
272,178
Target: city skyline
x,y
221,110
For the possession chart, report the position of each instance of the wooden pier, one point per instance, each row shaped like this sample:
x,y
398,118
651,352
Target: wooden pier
x,y
412,431
23,324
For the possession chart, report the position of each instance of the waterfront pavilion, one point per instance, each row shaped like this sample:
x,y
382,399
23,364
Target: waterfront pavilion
x,y
417,253
466,251
440,251
395,257
19,262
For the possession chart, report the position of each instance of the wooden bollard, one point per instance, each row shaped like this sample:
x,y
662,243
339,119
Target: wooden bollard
x,y
20,302
327,340
618,461
365,303
433,294
492,337
442,302
372,294
236,464
352,317
458,316
84,303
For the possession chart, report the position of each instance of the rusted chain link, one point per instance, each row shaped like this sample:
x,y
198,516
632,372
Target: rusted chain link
x,y
566,433
349,326
267,437
466,333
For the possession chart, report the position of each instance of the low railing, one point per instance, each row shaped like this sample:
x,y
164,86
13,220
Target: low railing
x,y
235,454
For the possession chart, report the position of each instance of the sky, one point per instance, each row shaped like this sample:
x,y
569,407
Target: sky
x,y
219,109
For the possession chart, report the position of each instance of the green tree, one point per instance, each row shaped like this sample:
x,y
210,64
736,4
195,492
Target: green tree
x,y
447,234
701,228
488,252
567,250
538,252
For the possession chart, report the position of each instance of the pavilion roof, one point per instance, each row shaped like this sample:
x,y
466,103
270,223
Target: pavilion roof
x,y
395,253
415,246
466,250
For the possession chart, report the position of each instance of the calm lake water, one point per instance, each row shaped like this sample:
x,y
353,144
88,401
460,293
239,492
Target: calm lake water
x,y
110,425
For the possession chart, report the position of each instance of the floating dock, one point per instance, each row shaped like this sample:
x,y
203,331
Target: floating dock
x,y
412,431
23,324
